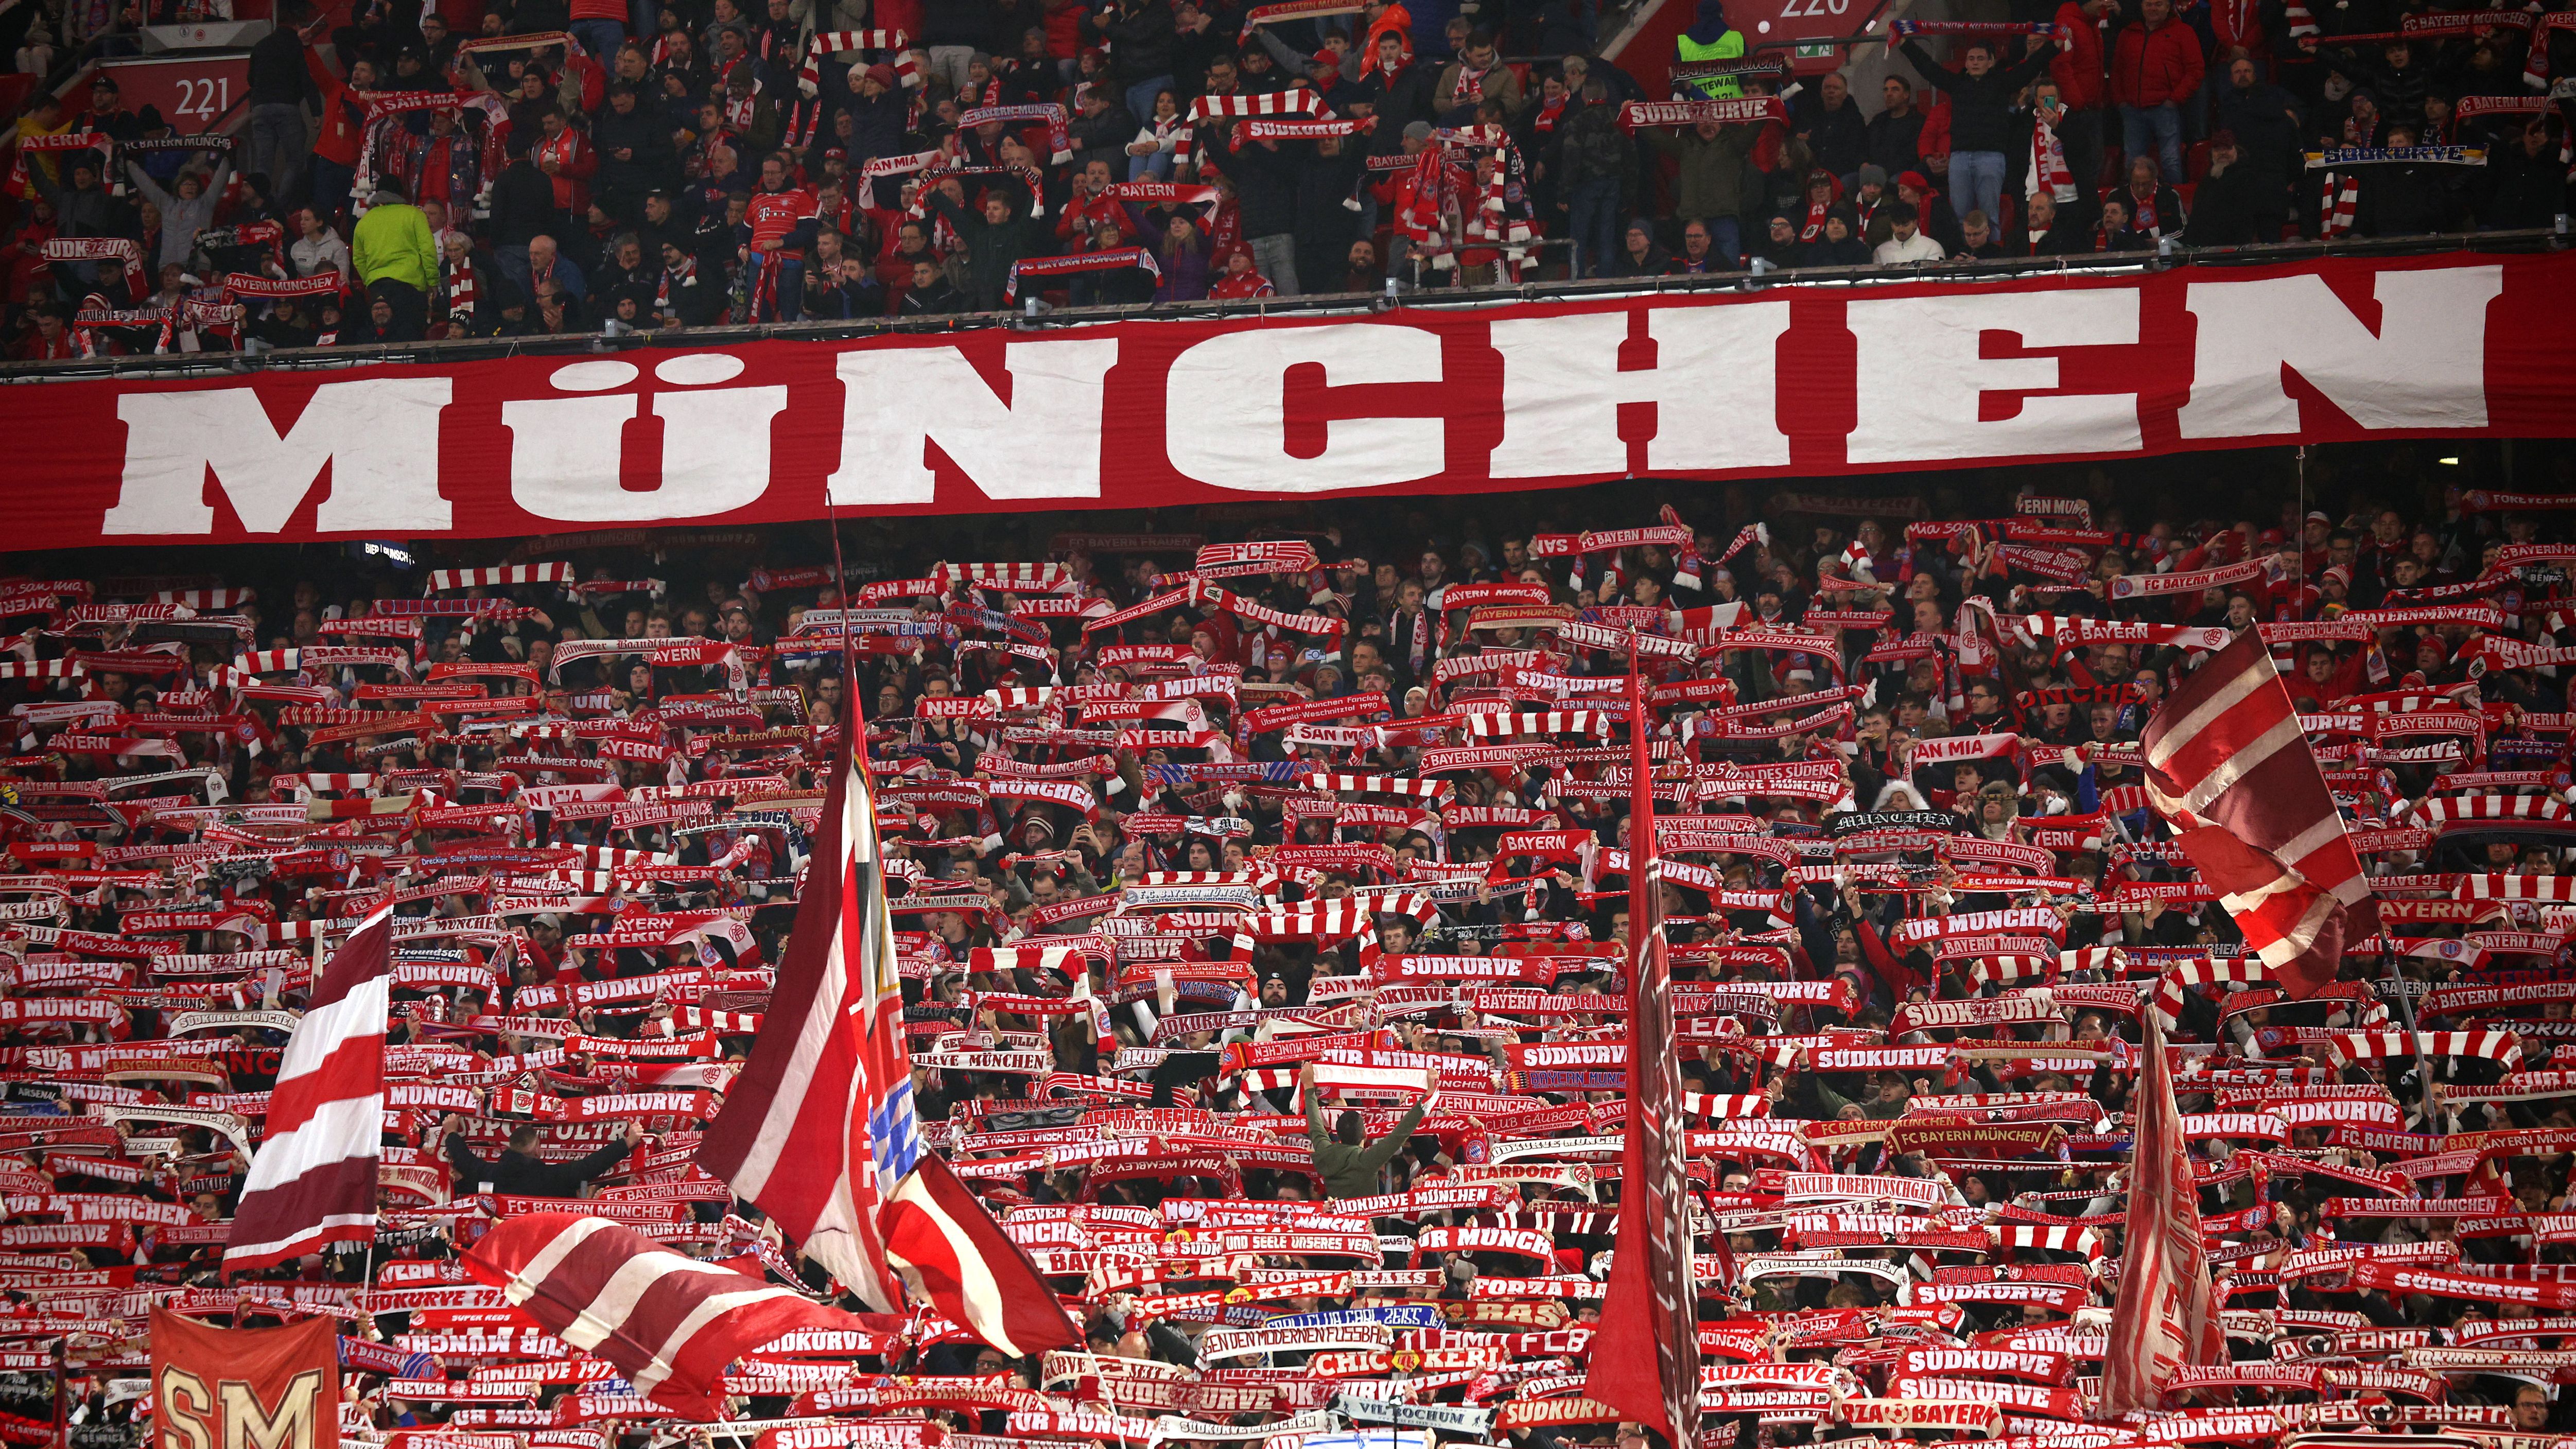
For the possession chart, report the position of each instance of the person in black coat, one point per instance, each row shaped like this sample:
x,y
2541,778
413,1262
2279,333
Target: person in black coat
x,y
930,294
2265,122
2525,183
2224,205
635,154
2046,231
1326,226
2405,200
1639,256
1982,132
1830,122
1142,41
519,1172
1896,133
1841,245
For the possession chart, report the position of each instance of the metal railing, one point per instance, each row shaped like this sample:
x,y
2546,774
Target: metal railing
x,y
216,364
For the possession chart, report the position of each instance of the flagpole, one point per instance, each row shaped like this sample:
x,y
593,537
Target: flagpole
x,y
2397,984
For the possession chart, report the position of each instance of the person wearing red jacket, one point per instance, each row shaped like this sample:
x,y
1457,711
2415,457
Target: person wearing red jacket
x,y
2156,66
1240,280
566,157
2078,71
343,133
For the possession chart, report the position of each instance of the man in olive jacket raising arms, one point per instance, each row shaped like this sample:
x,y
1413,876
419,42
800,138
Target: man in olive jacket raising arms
x,y
1347,1164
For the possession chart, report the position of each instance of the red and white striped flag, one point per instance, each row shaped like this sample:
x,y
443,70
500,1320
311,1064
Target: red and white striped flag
x,y
820,1129
2228,764
2167,1314
668,1322
314,1179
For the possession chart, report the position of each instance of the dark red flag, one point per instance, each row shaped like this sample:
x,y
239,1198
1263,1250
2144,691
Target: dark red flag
x,y
1645,1354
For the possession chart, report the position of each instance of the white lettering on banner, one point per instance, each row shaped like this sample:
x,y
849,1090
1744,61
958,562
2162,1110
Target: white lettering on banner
x,y
1715,388
1226,418
566,454
2423,366
1043,443
371,434
1922,379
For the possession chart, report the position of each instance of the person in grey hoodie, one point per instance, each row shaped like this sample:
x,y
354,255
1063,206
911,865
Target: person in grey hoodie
x,y
185,214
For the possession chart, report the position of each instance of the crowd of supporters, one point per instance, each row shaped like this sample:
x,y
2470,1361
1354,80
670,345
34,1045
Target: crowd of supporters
x,y
548,167
1199,842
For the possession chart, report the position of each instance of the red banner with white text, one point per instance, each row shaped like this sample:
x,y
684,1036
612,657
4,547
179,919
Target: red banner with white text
x,y
1786,382
278,1387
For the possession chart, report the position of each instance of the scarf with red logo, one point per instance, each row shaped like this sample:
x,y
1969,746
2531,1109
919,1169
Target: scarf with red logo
x,y
2048,166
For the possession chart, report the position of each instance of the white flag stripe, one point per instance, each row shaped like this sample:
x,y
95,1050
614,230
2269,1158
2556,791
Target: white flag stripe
x,y
354,1017
322,1140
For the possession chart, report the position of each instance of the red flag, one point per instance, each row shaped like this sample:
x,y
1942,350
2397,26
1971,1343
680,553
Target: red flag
x,y
314,1180
820,1126
2167,1315
1645,1354
277,1386
2228,763
669,1323
820,1129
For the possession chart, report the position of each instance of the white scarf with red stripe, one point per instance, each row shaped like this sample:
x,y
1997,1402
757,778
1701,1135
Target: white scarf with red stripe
x,y
2048,165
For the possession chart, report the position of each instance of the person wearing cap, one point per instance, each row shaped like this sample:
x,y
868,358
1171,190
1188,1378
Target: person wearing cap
x,y
2224,205
107,114
1931,208
879,114
1906,241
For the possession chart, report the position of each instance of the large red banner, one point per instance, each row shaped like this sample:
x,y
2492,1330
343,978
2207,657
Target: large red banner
x,y
211,1387
1793,381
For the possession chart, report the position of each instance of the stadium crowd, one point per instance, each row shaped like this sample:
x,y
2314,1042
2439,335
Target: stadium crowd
x,y
568,166
1204,851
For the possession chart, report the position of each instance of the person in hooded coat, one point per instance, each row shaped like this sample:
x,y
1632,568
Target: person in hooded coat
x,y
1710,38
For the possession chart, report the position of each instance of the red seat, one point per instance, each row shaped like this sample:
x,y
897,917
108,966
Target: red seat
x,y
2195,162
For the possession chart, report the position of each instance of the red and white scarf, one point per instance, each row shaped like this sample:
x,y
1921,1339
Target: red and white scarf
x,y
1057,140
2048,165
672,277
2535,65
462,292
2336,205
809,76
103,249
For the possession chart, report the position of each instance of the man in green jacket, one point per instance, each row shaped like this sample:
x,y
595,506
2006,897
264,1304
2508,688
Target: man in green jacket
x,y
1347,1164
1708,185
397,260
